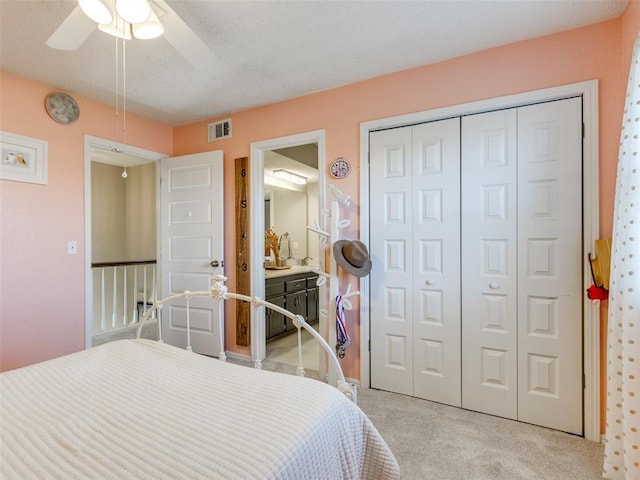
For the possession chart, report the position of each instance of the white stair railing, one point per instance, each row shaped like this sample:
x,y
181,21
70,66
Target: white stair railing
x,y
122,293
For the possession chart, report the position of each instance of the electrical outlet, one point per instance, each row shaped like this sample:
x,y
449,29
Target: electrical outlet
x,y
72,247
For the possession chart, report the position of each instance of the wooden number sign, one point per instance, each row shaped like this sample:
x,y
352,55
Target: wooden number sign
x,y
243,309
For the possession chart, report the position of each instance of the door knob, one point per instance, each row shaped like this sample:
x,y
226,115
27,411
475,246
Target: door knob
x,y
429,282
215,263
494,285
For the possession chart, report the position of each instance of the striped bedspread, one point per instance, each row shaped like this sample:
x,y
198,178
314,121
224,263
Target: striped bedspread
x,y
139,409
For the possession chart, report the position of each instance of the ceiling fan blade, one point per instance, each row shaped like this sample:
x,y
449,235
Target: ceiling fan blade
x,y
184,40
72,32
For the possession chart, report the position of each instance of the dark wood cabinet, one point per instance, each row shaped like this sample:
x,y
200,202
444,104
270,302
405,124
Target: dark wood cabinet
x,y
276,322
296,302
312,305
297,293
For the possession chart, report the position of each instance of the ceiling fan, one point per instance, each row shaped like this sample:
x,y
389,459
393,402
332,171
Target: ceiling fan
x,y
118,18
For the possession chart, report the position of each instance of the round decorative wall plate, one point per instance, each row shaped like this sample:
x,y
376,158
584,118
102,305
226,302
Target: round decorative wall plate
x,y
62,108
340,168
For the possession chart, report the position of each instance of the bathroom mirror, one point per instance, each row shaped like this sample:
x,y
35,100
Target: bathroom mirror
x,y
291,200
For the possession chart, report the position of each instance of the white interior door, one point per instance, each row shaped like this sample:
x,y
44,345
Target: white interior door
x,y
415,246
191,226
489,275
550,265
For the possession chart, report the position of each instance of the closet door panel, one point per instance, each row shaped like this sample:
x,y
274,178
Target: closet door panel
x,y
391,250
489,263
436,266
550,265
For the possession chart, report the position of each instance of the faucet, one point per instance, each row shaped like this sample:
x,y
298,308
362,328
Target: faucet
x,y
305,261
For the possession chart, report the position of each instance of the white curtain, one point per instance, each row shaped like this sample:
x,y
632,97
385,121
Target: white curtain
x,y
622,449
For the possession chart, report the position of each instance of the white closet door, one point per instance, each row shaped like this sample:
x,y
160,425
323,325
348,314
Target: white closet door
x,y
550,265
481,222
489,275
415,247
436,266
391,250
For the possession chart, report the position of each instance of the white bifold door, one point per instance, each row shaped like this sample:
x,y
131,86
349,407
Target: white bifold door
x,y
484,258
415,248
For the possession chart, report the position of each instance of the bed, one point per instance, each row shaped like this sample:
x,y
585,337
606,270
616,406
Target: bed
x,y
143,409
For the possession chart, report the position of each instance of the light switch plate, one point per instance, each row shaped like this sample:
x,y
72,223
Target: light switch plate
x,y
72,247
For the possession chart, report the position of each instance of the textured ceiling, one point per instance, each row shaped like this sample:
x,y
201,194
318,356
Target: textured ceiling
x,y
267,51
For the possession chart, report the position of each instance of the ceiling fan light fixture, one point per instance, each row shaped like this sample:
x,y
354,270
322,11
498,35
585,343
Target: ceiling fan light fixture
x,y
133,11
118,28
97,10
152,28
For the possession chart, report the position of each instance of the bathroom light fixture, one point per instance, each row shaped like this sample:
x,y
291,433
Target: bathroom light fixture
x,y
288,176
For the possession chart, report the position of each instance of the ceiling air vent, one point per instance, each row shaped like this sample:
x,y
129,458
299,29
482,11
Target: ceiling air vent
x,y
219,130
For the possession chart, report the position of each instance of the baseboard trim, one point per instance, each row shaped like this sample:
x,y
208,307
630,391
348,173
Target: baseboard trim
x,y
238,356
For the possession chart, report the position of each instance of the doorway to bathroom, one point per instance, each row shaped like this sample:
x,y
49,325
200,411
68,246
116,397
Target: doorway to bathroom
x,y
291,203
287,173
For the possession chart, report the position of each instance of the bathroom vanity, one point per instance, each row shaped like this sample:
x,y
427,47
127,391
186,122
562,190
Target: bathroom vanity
x,y
294,289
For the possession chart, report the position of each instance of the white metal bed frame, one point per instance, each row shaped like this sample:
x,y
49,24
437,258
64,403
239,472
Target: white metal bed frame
x,y
219,291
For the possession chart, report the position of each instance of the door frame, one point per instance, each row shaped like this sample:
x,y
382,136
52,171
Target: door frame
x,y
590,220
256,226
105,144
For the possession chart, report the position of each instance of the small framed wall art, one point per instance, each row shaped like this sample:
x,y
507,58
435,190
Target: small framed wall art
x,y
62,107
340,168
24,159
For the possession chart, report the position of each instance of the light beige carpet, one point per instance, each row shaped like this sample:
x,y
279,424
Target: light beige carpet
x,y
434,441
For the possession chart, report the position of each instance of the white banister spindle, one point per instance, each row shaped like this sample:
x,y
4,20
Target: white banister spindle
x,y
144,292
103,306
125,307
114,302
134,310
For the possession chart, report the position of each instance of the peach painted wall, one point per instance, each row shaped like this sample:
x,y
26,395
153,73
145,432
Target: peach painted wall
x,y
592,52
42,292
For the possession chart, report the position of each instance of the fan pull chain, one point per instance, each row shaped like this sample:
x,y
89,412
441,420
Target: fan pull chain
x,y
124,90
117,98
